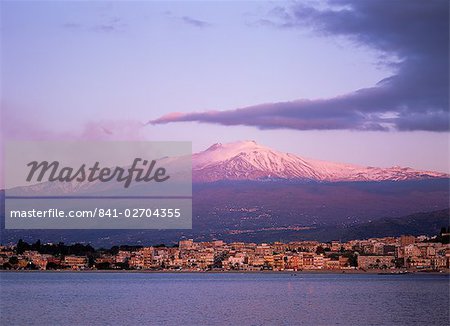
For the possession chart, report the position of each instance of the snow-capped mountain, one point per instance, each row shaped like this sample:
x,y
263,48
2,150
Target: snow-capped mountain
x,y
247,160
244,160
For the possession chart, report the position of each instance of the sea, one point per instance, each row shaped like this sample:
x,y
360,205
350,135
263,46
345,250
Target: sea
x,y
130,298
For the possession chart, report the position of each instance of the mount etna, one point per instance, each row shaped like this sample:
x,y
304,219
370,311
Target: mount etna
x,y
243,191
247,160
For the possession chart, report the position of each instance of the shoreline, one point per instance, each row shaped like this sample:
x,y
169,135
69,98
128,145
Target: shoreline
x,y
335,272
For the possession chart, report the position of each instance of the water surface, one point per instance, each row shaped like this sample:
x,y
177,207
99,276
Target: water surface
x,y
222,299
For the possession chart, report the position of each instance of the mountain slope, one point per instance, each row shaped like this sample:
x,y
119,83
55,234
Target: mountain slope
x,y
424,223
248,160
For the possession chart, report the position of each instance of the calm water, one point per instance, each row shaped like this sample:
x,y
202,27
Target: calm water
x,y
222,299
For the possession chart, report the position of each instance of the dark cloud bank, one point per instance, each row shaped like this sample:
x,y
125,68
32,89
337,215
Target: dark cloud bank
x,y
416,33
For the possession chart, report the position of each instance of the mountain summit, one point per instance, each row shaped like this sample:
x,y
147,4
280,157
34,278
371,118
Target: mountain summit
x,y
247,160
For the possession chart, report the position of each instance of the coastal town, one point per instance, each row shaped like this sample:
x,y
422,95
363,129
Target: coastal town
x,y
389,254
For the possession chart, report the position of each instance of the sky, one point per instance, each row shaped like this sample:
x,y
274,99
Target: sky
x,y
362,82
